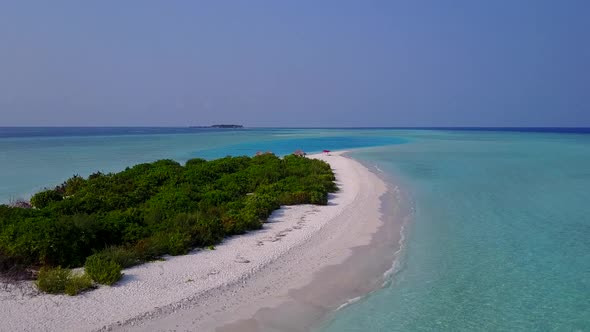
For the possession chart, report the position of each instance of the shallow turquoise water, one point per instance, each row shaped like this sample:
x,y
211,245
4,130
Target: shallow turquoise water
x,y
500,234
500,239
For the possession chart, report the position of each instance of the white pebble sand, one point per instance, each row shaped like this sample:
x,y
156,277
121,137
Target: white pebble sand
x,y
208,289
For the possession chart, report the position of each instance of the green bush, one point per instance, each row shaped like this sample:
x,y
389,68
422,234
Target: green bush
x,y
173,243
53,280
150,248
78,283
207,231
195,162
103,269
44,198
316,197
178,243
71,186
263,204
59,280
126,257
299,197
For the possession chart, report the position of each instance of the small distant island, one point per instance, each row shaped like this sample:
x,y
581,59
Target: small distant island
x,y
223,126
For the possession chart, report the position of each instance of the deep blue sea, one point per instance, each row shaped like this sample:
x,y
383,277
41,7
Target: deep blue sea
x,y
500,234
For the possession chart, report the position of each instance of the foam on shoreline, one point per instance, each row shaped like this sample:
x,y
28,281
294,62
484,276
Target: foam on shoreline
x,y
212,289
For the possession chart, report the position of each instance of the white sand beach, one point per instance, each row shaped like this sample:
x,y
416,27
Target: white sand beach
x,y
233,284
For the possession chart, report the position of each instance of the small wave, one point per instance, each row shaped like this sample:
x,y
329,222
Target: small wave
x,y
289,135
349,302
396,265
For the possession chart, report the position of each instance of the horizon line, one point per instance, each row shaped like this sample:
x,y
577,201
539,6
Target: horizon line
x,y
311,127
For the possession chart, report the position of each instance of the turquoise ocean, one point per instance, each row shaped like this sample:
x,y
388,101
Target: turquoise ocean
x,y
499,238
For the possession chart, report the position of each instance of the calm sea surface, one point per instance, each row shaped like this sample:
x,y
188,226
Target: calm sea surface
x,y
500,234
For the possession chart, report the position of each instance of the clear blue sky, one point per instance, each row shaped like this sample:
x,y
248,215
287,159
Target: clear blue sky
x,y
295,63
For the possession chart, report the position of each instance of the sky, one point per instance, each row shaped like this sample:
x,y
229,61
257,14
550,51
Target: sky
x,y
295,63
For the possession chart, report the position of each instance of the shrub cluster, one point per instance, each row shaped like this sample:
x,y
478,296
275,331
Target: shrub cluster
x,y
112,221
59,280
103,269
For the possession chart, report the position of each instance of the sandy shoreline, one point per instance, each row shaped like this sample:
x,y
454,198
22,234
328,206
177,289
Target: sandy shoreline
x,y
247,283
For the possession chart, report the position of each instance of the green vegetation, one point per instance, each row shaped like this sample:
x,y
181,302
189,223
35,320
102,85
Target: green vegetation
x,y
77,284
103,269
59,280
117,220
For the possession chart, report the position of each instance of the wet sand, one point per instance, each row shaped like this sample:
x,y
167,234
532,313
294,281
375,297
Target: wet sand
x,y
332,287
